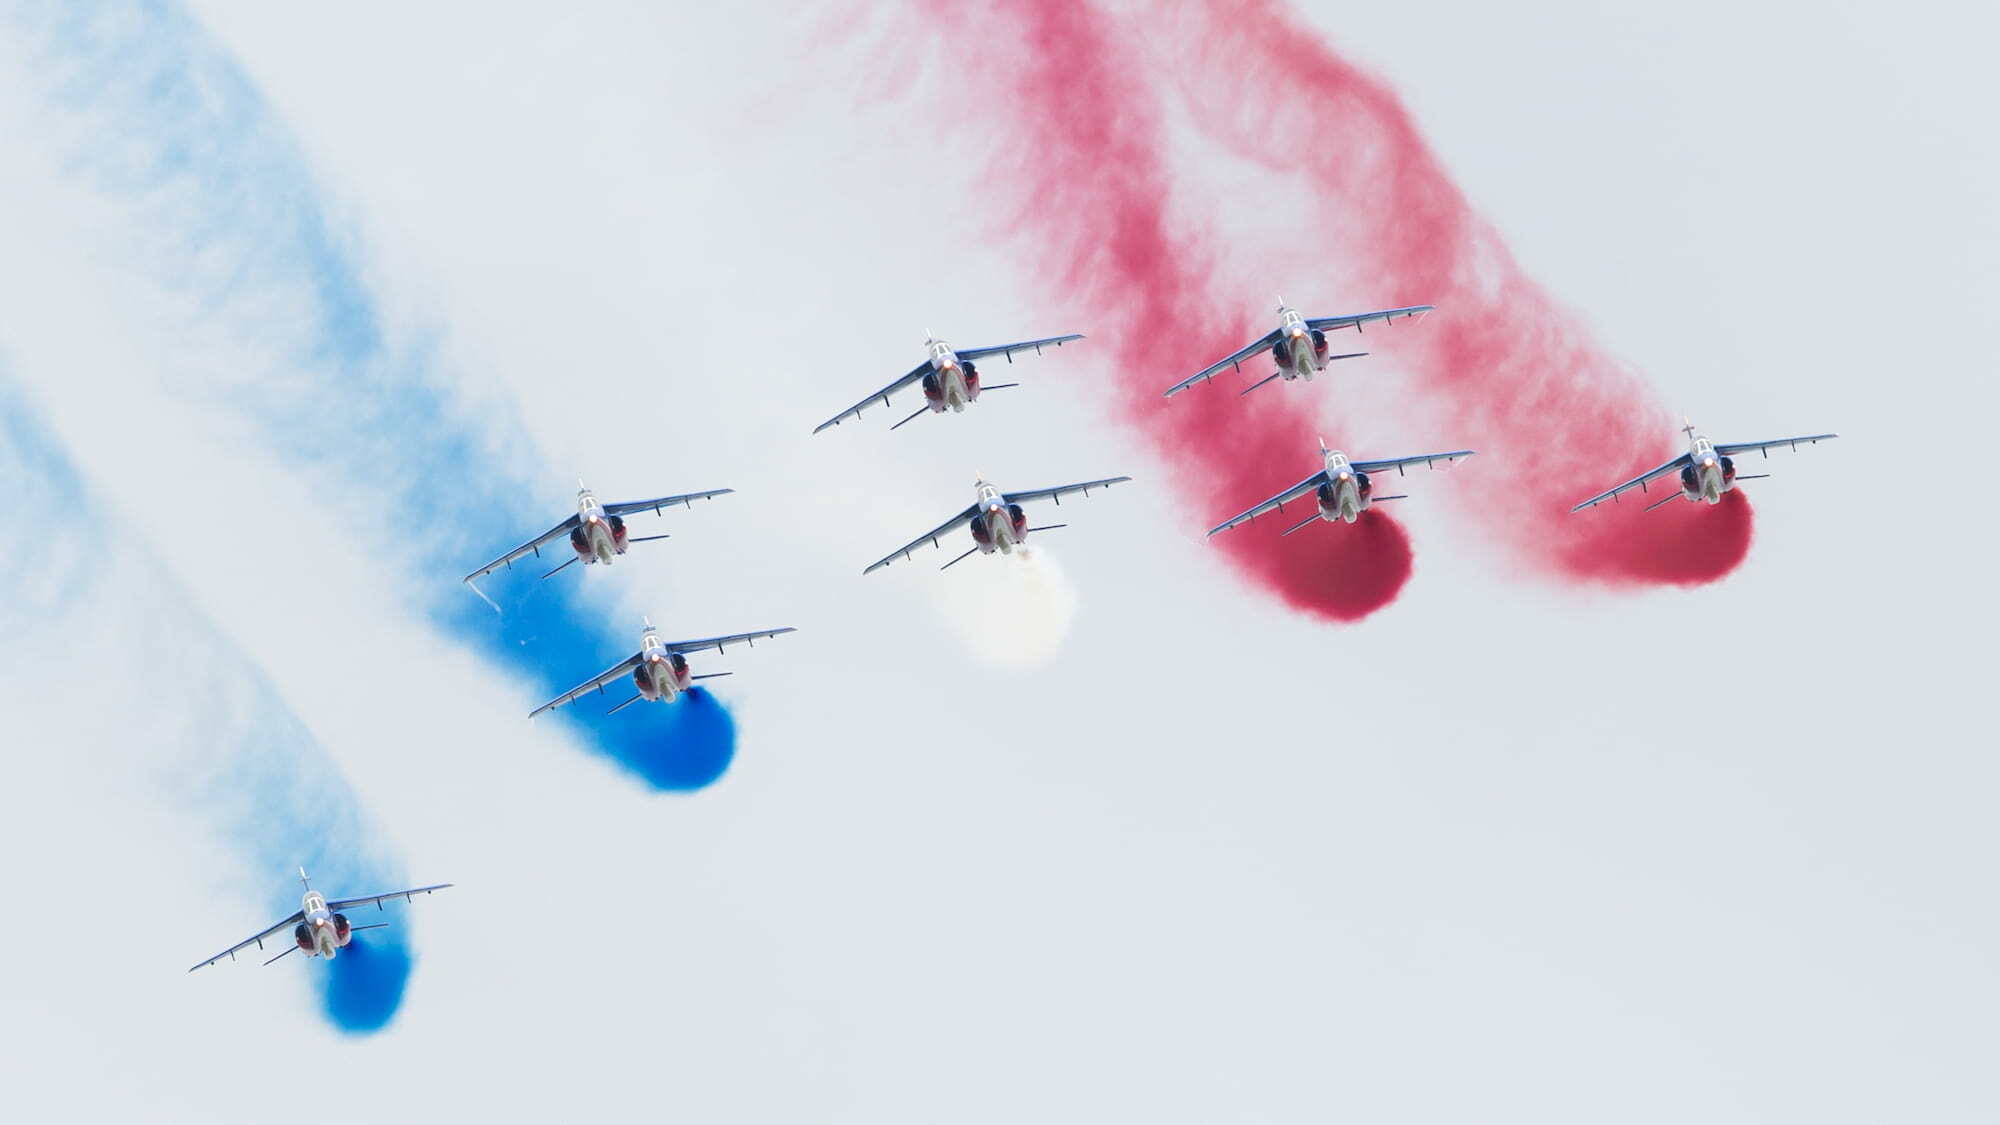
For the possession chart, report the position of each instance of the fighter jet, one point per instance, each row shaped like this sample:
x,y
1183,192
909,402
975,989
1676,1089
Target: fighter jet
x,y
998,523
318,926
950,378
659,669
1707,470
1342,488
1298,345
596,532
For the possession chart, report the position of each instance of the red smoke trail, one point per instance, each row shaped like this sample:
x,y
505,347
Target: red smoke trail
x,y
1556,419
1081,130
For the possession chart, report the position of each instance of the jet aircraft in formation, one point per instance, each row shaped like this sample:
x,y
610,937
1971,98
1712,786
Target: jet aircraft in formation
x,y
1342,488
1298,345
319,927
659,669
950,378
1707,470
996,518
596,531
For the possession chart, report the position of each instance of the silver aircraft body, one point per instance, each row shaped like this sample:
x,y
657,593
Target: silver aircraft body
x,y
996,520
596,532
949,377
1298,346
1706,471
659,670
1342,489
319,927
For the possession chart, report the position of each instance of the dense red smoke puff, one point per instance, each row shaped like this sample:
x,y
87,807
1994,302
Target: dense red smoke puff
x,y
1555,418
1080,128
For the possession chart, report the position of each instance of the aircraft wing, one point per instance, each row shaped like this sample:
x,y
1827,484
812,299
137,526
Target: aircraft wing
x,y
376,900
595,683
1766,446
531,547
256,939
719,643
854,411
659,502
1275,502
1635,482
1397,463
1330,323
930,537
1008,350
1057,494
1234,359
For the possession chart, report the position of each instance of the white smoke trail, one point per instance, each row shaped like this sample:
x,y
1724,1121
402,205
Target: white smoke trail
x,y
1019,612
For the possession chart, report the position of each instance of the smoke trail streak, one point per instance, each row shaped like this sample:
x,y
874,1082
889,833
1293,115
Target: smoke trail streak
x,y
1513,371
226,213
1081,133
229,755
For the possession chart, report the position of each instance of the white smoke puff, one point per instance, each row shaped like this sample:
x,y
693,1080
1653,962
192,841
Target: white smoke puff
x,y
1020,611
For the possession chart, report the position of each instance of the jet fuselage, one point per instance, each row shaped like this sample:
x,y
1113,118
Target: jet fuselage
x,y
951,383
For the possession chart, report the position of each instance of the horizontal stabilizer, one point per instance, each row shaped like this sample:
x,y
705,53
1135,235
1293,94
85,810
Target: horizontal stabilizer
x,y
998,386
288,949
369,926
1752,476
910,419
957,560
1048,527
644,538
1671,496
711,675
1301,523
1349,355
625,704
552,572
1379,499
1259,383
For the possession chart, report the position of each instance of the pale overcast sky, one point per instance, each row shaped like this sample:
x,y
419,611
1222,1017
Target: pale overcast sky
x,y
1112,835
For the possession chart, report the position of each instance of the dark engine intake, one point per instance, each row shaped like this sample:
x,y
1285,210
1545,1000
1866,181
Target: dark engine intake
x,y
340,928
1319,341
1688,479
1019,518
303,934
1282,352
931,389
1728,470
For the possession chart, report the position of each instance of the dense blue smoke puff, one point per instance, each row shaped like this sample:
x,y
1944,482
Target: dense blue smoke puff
x,y
227,210
362,989
677,746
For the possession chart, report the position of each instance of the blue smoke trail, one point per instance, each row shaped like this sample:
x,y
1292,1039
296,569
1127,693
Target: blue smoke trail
x,y
249,768
228,212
